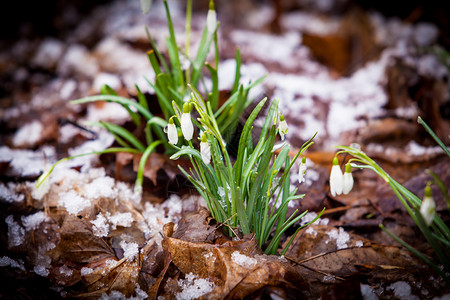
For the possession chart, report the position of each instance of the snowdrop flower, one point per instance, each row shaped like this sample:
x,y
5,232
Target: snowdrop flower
x,y
336,178
186,123
302,170
172,133
42,186
282,127
428,207
211,18
205,150
348,179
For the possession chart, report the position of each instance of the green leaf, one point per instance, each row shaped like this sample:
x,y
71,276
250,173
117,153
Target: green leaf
x,y
123,133
245,135
237,75
117,99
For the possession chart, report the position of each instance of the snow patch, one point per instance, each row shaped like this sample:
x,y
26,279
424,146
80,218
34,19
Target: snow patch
x,y
86,271
5,261
73,202
243,260
16,233
28,135
130,250
340,236
8,193
402,290
194,287
41,270
33,221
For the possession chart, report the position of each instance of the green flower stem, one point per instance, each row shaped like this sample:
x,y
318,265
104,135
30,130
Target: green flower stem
x,y
47,173
143,161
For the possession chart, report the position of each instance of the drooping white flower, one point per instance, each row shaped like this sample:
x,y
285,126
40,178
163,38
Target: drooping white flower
x,y
42,186
186,123
302,170
336,178
211,18
428,207
282,127
348,179
172,133
205,149
145,6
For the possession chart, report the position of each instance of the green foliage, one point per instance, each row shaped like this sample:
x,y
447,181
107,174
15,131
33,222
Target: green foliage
x,y
171,84
438,233
240,194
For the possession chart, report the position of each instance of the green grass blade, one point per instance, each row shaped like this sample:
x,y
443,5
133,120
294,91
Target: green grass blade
x,y
237,75
143,161
417,253
117,99
155,48
435,137
123,133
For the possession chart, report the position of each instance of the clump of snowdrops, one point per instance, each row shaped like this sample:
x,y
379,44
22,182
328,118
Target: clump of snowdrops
x,y
252,193
423,212
172,78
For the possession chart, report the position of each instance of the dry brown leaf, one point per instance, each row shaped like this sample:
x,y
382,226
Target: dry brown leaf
x,y
234,278
79,245
237,268
156,162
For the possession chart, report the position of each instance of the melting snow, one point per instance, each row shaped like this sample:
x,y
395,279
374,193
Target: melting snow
x,y
340,236
243,260
41,270
86,271
28,135
130,250
8,193
16,233
5,261
402,290
33,221
73,202
194,287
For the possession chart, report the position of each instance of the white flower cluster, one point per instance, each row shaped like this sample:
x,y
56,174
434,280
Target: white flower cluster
x,y
340,183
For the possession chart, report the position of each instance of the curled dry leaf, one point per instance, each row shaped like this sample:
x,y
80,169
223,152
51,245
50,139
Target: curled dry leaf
x,y
236,268
325,255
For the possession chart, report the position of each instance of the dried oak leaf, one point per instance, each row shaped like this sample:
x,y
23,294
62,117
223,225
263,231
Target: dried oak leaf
x,y
112,275
79,245
237,268
325,255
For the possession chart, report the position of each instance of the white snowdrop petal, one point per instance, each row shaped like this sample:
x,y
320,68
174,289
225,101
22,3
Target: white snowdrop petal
x,y
211,21
205,151
428,210
186,126
347,183
172,134
336,180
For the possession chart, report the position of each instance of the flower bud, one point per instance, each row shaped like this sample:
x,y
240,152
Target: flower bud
x,y
211,18
336,178
428,207
302,170
347,179
282,127
171,131
186,123
205,150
